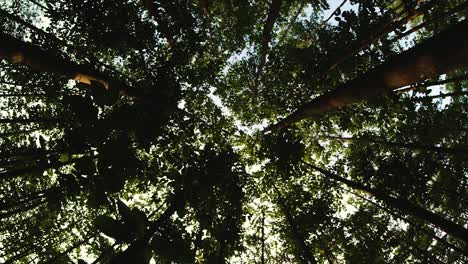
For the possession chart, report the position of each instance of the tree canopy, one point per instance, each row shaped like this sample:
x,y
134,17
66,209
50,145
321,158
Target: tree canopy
x,y
233,131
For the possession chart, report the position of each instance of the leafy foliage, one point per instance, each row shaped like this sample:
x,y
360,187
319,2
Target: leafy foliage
x,y
171,162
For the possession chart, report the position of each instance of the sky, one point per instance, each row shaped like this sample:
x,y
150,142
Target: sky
x,y
333,5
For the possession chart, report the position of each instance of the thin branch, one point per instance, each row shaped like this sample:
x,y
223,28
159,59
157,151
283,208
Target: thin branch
x,y
333,13
433,83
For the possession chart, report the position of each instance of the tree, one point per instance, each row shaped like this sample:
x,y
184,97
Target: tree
x,y
134,131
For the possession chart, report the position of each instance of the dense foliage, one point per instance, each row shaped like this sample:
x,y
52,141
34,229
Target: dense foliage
x,y
141,132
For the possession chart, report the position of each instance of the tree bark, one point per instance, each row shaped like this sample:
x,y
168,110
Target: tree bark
x,y
306,252
155,225
22,209
73,247
29,120
263,238
17,51
405,206
442,95
412,223
31,198
273,14
422,25
40,167
81,53
427,60
9,134
354,49
22,95
434,83
454,151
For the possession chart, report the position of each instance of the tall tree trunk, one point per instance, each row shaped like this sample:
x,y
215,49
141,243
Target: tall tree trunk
x,y
22,94
155,225
263,238
410,222
424,85
448,226
16,133
273,14
31,198
24,253
354,49
427,60
38,168
29,120
328,253
70,249
424,24
78,50
27,153
442,95
17,51
455,151
40,5
300,241
22,209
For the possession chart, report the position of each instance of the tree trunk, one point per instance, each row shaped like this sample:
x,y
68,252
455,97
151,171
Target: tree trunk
x,y
31,198
328,253
22,95
448,226
455,151
442,95
17,51
70,249
38,168
273,13
428,84
28,153
41,5
263,238
155,225
80,52
455,10
427,60
22,209
26,252
354,49
300,241
30,120
9,134
410,222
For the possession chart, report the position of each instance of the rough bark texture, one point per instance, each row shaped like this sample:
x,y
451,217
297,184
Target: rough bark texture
x,y
273,14
455,151
17,51
404,206
429,84
444,53
388,28
300,240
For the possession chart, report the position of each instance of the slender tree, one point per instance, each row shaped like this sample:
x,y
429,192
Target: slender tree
x,y
448,226
427,60
419,147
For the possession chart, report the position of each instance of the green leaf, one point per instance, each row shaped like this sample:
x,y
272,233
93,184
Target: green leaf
x,y
64,158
